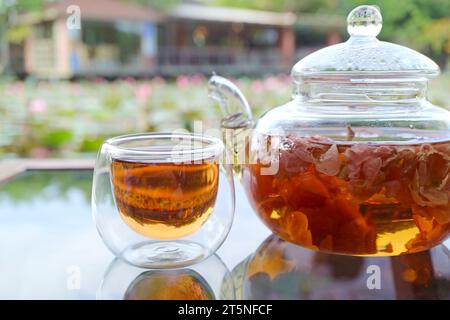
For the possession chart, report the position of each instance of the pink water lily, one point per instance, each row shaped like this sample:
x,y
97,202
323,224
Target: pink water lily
x,y
197,79
37,106
183,82
130,80
143,92
272,83
257,86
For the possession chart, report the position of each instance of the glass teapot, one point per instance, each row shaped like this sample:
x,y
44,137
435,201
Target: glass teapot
x,y
358,162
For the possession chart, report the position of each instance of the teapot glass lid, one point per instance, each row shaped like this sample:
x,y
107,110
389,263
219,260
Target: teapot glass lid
x,y
364,54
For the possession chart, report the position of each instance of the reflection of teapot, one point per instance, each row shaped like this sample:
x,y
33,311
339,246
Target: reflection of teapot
x,y
281,270
358,162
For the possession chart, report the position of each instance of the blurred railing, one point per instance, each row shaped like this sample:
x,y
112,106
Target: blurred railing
x,y
173,61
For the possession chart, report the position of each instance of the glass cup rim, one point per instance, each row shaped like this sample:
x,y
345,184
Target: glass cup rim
x,y
213,147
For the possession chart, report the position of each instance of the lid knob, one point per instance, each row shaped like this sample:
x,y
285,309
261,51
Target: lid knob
x,y
364,21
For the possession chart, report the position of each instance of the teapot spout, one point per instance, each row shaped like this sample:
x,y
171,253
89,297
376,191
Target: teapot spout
x,y
237,119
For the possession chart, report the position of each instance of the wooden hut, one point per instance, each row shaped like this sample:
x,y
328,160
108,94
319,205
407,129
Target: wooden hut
x,y
119,38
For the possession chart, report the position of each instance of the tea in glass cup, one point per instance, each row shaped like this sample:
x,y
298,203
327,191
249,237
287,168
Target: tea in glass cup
x,y
165,200
162,200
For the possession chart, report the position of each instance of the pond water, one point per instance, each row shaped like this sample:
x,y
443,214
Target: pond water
x,y
47,233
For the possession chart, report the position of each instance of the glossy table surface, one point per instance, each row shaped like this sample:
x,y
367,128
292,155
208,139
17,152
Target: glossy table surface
x,y
47,237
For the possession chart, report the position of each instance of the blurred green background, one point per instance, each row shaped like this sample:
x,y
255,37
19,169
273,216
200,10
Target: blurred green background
x,y
44,114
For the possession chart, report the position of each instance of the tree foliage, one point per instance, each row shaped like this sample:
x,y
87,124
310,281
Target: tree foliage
x,y
280,5
421,24
21,5
158,4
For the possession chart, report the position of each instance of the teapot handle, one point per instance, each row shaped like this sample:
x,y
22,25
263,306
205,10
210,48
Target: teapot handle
x,y
236,122
220,89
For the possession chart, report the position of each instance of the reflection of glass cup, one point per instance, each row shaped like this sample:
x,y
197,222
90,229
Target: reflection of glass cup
x,y
207,280
162,200
180,284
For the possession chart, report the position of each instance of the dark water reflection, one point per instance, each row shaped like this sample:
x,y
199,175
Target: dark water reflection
x,y
281,270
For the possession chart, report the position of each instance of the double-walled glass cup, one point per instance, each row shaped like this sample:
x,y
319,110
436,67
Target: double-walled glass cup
x,y
163,200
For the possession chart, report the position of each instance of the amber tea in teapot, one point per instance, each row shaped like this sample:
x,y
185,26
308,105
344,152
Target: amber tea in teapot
x,y
355,198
